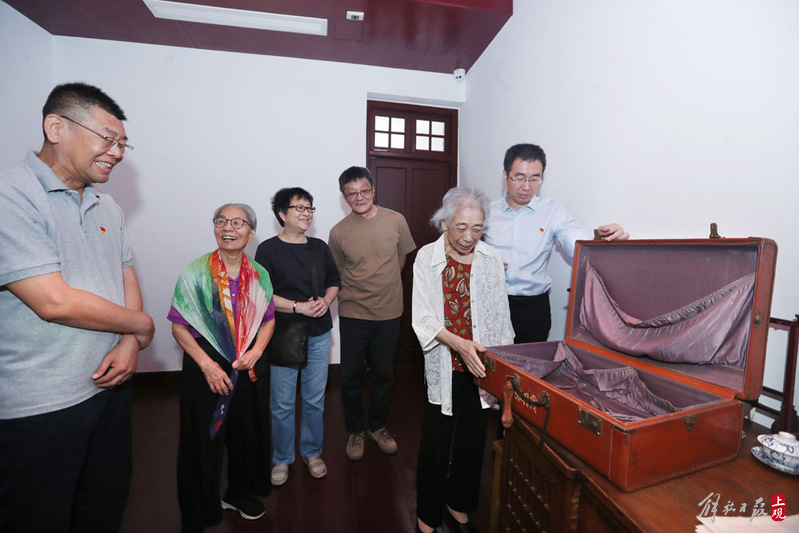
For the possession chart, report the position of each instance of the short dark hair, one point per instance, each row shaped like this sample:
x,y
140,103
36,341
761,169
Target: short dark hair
x,y
352,174
282,200
68,96
525,152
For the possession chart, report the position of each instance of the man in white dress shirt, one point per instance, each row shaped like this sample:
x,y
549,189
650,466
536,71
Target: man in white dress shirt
x,y
524,228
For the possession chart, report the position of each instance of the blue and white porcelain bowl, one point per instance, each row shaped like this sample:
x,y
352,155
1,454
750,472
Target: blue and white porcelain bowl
x,y
781,449
759,454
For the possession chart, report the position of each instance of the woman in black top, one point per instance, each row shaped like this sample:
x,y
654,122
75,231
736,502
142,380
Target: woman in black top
x,y
291,258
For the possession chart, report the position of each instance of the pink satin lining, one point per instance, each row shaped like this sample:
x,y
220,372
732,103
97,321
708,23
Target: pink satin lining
x,y
713,330
618,391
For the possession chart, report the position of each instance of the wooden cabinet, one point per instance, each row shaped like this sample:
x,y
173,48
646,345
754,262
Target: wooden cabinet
x,y
547,489
541,491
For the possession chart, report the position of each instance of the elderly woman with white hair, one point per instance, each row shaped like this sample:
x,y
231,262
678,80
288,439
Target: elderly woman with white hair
x,y
459,306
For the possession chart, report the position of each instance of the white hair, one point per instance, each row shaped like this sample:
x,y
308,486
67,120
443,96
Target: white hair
x,y
457,199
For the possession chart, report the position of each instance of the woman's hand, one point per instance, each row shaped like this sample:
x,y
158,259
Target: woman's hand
x,y
248,359
313,308
218,381
470,353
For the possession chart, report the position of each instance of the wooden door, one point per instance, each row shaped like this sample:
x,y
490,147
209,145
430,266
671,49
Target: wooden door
x,y
412,154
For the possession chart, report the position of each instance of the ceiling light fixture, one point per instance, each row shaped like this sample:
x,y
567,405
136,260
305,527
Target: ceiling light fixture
x,y
237,17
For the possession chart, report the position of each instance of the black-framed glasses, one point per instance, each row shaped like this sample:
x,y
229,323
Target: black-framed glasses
x,y
109,143
303,208
237,223
366,193
532,181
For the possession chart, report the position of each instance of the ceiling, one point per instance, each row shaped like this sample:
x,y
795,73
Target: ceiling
x,y
426,35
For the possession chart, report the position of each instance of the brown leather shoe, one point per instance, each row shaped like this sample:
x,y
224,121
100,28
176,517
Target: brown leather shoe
x,y
384,441
355,447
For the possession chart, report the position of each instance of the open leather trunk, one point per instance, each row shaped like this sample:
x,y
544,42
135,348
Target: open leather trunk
x,y
664,341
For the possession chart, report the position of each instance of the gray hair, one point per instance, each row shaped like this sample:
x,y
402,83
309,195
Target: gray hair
x,y
457,199
244,207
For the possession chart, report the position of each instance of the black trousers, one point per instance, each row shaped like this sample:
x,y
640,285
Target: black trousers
x,y
451,453
69,470
531,317
245,433
371,343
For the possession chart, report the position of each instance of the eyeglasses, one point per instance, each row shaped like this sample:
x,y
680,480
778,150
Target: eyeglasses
x,y
109,143
366,193
237,223
303,208
532,181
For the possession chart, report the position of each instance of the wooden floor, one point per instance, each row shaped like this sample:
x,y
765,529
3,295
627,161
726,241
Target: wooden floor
x,y
374,495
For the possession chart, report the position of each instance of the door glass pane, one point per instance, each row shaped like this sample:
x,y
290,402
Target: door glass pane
x,y
411,131
381,140
397,125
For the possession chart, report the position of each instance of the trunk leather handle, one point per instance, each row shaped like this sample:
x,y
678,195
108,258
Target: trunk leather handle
x,y
511,387
507,398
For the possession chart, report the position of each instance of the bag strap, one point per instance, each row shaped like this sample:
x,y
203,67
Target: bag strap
x,y
312,249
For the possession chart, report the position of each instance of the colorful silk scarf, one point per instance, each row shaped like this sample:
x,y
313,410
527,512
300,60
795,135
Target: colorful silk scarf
x,y
202,297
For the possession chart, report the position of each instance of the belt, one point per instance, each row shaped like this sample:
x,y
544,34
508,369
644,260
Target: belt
x,y
515,298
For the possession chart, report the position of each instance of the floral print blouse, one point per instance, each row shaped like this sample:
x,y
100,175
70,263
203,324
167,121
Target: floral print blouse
x,y
457,304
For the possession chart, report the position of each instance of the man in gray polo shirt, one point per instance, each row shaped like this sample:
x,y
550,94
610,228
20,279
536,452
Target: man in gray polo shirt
x,y
72,324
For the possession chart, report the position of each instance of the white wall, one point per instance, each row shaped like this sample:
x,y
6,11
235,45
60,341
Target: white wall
x,y
661,115
26,71
213,127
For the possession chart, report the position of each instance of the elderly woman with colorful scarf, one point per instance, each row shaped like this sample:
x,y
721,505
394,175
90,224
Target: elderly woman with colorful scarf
x,y
223,317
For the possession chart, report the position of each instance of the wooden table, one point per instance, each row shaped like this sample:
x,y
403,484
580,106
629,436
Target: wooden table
x,y
564,494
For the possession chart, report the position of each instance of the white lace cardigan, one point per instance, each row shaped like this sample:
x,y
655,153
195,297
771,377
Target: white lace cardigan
x,y
491,324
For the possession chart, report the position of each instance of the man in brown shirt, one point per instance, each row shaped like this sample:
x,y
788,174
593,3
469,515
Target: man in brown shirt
x,y
369,246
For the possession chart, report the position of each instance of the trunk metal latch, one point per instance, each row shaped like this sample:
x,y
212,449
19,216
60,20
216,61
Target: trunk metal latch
x,y
589,421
